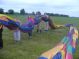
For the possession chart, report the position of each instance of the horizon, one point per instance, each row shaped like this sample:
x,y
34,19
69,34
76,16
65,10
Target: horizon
x,y
66,7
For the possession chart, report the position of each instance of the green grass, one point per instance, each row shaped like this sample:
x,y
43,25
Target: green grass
x,y
40,42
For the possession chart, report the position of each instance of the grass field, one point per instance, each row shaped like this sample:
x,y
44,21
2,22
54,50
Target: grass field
x,y
40,42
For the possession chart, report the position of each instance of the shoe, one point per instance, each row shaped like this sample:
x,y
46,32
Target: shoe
x,y
46,30
30,37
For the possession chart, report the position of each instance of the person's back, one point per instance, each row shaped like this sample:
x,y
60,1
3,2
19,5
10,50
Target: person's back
x,y
30,21
37,19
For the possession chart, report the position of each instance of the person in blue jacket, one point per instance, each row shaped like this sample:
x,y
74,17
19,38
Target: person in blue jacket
x,y
37,21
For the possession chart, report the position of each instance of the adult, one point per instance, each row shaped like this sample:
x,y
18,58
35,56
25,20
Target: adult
x,y
37,21
1,40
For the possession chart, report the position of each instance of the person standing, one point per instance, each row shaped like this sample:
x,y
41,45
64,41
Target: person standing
x,y
46,21
38,20
1,40
16,32
17,35
30,24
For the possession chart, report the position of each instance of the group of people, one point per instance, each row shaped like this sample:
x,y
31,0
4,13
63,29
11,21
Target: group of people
x,y
17,31
42,18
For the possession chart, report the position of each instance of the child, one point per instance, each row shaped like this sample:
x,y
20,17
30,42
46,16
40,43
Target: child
x,y
17,32
1,40
17,35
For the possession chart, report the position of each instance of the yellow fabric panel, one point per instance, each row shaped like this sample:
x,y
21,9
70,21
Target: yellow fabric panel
x,y
63,54
75,35
5,16
49,54
11,18
1,15
59,25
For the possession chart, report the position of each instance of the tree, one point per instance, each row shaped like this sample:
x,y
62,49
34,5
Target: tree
x,y
1,10
22,11
11,11
33,13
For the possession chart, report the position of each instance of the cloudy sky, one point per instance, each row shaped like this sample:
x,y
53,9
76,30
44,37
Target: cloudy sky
x,y
68,7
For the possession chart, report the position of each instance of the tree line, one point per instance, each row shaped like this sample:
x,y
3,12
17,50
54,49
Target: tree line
x,y
11,11
22,11
52,14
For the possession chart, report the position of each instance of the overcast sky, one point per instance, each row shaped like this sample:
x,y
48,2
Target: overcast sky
x,y
68,7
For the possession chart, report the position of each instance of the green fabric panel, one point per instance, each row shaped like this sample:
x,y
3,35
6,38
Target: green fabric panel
x,y
69,49
65,40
